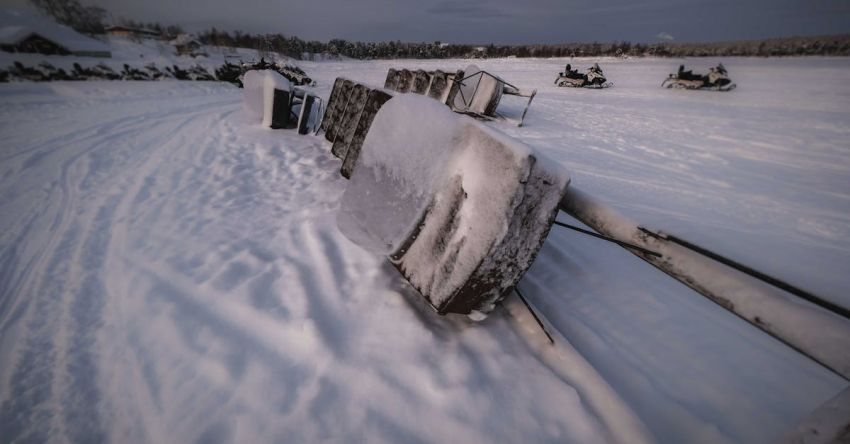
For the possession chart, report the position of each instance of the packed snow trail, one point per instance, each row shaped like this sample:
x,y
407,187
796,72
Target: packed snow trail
x,y
170,272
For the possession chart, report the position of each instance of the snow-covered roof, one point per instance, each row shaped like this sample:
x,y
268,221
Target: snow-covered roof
x,y
10,35
15,27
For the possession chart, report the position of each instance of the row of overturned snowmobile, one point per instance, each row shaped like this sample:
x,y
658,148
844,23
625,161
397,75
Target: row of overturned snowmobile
x,y
429,231
430,237
463,237
372,197
441,233
471,91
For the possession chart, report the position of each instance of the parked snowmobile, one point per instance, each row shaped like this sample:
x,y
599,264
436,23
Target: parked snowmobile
x,y
717,79
594,78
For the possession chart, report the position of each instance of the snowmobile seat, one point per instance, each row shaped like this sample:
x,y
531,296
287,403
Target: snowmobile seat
x,y
405,81
348,119
439,85
458,208
350,111
340,94
355,135
392,79
689,75
421,82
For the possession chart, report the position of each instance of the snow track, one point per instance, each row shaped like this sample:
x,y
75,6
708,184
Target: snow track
x,y
170,272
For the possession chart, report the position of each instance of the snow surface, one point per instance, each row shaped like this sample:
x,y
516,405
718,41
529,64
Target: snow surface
x,y
170,271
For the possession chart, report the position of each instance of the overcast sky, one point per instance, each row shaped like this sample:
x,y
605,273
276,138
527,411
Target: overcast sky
x,y
497,21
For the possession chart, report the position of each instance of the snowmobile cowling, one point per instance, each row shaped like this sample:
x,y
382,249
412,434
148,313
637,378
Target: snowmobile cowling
x,y
459,209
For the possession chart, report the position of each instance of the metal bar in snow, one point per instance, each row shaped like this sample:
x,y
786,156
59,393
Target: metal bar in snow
x,y
822,335
778,283
609,239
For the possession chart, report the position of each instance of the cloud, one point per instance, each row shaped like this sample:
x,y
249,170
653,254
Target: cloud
x,y
664,36
467,9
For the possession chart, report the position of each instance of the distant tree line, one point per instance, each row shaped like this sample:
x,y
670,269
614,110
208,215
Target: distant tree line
x,y
297,48
89,19
167,31
836,45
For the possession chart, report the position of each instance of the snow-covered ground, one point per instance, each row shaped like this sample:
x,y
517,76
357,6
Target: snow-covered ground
x,y
172,272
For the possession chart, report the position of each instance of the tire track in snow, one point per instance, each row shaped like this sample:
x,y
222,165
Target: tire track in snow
x,y
53,390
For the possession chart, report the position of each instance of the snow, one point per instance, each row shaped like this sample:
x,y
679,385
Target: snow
x,y
170,271
827,424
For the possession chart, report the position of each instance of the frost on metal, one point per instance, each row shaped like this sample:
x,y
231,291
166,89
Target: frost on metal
x,y
461,210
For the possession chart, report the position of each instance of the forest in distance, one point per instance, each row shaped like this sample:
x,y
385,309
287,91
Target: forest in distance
x,y
836,45
90,20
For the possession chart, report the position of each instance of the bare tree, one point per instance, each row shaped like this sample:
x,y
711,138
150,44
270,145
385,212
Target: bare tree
x,y
87,19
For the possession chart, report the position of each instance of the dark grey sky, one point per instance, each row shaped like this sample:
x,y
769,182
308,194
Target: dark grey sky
x,y
499,21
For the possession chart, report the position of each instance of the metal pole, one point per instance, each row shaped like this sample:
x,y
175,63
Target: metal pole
x,y
822,335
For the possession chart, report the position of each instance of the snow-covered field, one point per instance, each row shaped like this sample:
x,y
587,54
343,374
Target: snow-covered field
x,y
172,272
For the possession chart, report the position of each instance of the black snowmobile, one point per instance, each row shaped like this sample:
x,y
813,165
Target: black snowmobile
x,y
594,78
717,79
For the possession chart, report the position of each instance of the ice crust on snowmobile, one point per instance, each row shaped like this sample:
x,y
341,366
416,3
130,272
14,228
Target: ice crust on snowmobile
x,y
460,209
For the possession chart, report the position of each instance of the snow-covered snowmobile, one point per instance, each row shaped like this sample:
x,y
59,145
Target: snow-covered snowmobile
x,y
717,79
594,78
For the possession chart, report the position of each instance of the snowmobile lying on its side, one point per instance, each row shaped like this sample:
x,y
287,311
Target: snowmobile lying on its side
x,y
717,79
594,78
471,91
